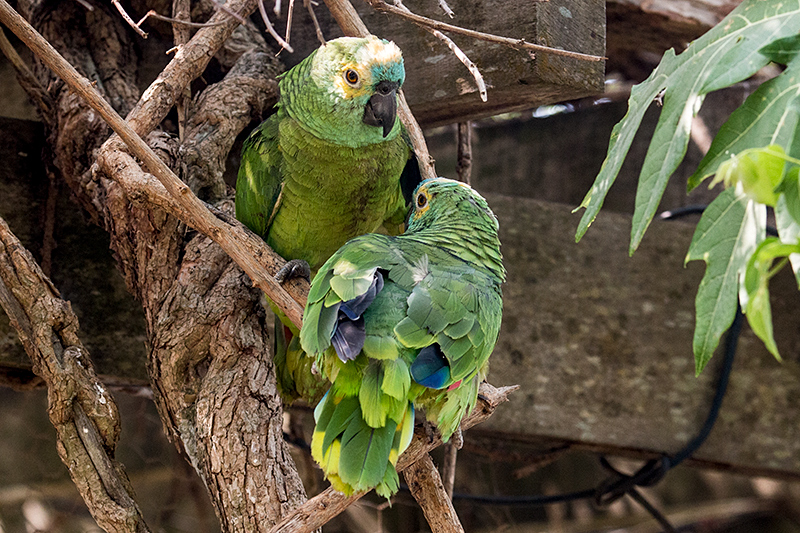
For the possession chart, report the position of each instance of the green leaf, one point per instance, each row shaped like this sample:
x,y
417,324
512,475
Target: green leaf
x,y
769,116
787,216
756,283
783,51
757,172
728,53
725,238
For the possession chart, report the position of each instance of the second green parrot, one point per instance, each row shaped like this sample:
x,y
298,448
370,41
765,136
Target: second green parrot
x,y
402,322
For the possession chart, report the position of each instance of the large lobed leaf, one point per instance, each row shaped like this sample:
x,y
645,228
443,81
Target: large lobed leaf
x,y
725,238
726,54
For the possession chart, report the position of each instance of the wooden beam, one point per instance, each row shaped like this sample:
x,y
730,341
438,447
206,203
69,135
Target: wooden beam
x,y
601,345
439,88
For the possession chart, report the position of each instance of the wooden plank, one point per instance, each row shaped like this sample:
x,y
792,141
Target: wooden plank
x,y
601,345
439,88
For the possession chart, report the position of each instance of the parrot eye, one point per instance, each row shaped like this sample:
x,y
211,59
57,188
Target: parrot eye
x,y
422,201
351,76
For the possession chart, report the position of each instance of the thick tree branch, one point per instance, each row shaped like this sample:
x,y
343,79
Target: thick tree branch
x,y
323,507
83,413
236,242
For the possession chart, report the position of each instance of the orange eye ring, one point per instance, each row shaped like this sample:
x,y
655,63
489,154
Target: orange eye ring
x,y
422,201
351,76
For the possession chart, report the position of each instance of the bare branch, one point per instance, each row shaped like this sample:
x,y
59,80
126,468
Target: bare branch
x,y
289,15
174,21
271,29
446,8
519,44
466,61
427,488
323,507
26,78
128,19
182,11
351,24
83,413
310,7
449,468
85,4
237,243
464,163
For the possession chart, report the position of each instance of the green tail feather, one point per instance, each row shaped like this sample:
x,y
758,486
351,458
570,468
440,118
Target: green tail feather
x,y
354,456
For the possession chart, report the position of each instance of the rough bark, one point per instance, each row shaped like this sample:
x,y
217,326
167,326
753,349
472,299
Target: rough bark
x,y
84,415
209,363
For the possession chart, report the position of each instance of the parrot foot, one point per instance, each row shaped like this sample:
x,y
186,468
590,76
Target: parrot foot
x,y
296,268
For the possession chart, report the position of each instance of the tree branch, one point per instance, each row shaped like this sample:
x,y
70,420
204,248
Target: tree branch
x,y
236,242
323,507
519,44
83,413
427,488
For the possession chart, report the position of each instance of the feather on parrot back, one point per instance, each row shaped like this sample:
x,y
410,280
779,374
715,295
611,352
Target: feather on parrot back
x,y
428,315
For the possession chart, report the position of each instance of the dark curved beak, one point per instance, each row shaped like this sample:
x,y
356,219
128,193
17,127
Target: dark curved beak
x,y
381,109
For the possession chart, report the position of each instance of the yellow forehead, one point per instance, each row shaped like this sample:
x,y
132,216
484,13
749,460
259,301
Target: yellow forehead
x,y
377,51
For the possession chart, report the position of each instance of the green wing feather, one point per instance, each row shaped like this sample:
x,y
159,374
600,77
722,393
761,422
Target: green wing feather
x,y
259,182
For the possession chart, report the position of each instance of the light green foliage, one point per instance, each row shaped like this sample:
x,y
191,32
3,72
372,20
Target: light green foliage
x,y
728,53
753,154
431,294
726,235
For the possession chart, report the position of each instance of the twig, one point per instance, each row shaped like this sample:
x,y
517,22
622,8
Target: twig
x,y
48,330
310,6
128,19
519,44
351,24
189,24
446,8
271,29
225,9
289,15
466,61
237,243
26,78
85,4
427,488
182,11
449,468
277,8
464,163
329,503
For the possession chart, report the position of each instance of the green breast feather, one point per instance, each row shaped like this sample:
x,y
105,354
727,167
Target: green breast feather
x,y
398,323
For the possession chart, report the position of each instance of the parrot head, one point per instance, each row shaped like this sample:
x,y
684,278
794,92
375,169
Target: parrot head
x,y
349,95
440,201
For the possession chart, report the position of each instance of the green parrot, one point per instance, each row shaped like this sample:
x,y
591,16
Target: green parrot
x,y
330,164
402,322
